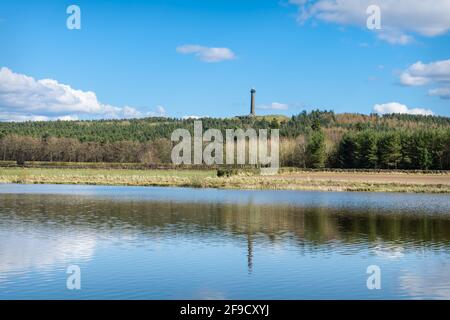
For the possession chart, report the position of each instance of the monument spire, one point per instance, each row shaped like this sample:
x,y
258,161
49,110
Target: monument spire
x,y
252,102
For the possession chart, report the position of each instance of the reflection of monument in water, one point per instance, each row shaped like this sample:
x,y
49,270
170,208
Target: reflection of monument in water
x,y
249,252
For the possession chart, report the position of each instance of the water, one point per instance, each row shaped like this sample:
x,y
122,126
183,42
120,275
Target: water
x,y
172,243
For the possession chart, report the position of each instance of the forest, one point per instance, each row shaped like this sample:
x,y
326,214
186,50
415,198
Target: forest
x,y
317,139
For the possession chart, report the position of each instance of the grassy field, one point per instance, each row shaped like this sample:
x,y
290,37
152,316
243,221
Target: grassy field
x,y
324,181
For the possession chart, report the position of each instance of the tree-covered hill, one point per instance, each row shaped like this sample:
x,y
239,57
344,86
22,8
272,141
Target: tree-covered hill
x,y
147,129
316,139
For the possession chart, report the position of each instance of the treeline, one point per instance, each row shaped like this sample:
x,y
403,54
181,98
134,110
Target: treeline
x,y
22,148
309,140
140,130
149,129
422,149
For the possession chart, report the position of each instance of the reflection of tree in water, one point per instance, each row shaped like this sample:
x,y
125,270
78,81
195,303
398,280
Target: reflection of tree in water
x,y
306,228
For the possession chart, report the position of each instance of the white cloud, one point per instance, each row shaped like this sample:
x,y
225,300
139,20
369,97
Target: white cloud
x,y
19,117
399,18
408,80
395,107
420,74
395,37
274,106
160,111
443,93
23,98
68,118
207,54
194,117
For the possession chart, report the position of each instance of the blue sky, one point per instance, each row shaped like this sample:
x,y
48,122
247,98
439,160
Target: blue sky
x,y
126,53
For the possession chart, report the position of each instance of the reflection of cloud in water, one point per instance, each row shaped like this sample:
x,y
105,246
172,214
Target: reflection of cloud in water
x,y
389,251
430,282
22,251
208,294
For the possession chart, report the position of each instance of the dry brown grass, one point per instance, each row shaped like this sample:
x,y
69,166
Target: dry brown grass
x,y
323,181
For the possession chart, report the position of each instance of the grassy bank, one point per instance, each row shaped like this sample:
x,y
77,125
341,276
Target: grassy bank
x,y
324,181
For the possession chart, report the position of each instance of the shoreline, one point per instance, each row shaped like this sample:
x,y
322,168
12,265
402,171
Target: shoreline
x,y
303,181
